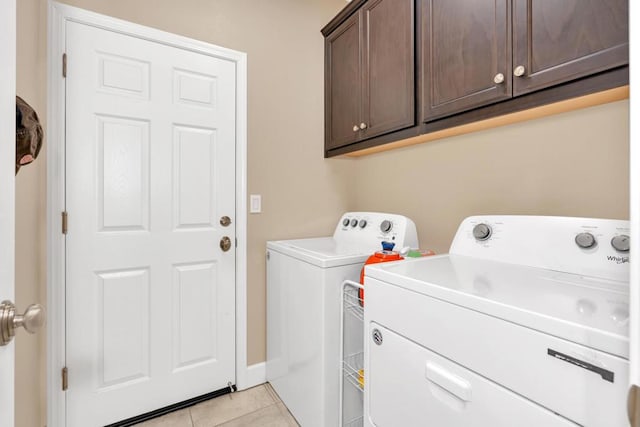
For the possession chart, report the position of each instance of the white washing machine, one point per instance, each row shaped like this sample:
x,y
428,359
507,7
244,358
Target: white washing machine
x,y
524,323
304,287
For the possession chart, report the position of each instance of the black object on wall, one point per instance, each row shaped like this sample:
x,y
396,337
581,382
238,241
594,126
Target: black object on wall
x,y
29,134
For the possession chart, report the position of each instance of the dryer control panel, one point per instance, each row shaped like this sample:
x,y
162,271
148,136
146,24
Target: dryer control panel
x,y
371,228
586,246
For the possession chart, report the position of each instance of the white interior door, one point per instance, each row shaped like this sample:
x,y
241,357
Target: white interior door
x,y
150,155
7,191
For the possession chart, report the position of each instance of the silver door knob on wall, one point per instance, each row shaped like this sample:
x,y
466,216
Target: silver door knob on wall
x,y
31,320
225,244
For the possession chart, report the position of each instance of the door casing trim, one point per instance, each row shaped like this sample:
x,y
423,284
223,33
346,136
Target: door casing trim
x,y
58,15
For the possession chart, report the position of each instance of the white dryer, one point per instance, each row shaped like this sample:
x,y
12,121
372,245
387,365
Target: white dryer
x,y
304,284
524,323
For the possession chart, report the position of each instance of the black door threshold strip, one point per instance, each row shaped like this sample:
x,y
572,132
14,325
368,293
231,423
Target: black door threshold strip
x,y
172,408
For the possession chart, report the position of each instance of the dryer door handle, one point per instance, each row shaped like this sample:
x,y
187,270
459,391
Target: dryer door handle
x,y
452,383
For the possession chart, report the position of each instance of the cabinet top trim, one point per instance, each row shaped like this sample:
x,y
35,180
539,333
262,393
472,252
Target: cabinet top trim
x,y
346,11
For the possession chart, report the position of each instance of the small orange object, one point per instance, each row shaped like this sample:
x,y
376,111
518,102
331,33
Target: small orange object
x,y
380,256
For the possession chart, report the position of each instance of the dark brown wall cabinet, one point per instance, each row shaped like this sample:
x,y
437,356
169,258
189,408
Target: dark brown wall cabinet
x,y
476,53
369,73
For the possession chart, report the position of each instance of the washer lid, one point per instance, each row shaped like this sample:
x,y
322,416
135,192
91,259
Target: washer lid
x,y
324,252
589,311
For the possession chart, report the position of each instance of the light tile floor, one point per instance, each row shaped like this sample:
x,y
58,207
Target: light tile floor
x,y
257,406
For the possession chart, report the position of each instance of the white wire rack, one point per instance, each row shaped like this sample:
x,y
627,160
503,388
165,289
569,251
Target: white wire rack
x,y
352,370
352,314
351,302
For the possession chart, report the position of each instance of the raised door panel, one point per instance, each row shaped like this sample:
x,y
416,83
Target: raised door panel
x,y
466,57
558,41
388,66
343,76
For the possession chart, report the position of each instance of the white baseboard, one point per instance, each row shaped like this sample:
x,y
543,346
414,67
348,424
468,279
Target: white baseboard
x,y
256,374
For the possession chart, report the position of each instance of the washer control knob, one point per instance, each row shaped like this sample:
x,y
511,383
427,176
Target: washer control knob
x,y
386,226
345,222
585,240
482,232
620,243
354,222
363,223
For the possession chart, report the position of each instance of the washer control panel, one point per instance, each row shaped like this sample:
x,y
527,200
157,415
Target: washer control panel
x,y
375,227
585,246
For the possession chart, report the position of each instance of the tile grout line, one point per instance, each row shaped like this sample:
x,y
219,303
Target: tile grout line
x,y
193,424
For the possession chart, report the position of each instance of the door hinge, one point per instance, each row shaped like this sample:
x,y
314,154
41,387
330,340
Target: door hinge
x,y
64,65
65,379
65,222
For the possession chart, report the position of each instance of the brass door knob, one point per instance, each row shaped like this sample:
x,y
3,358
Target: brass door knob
x,y
32,320
225,221
225,243
633,406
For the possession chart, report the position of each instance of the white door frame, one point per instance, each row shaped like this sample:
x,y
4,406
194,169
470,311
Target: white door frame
x,y
59,14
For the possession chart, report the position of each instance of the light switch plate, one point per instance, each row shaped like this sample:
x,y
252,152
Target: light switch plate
x,y
255,203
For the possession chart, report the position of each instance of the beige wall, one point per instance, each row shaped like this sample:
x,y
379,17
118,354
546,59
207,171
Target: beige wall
x,y
30,220
573,164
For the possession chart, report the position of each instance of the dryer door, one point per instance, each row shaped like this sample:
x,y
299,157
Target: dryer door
x,y
408,385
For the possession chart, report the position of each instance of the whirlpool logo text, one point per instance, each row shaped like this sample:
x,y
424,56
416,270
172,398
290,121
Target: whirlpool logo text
x,y
618,259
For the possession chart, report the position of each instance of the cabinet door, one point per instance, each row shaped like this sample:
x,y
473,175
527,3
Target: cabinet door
x,y
466,55
343,88
388,61
558,41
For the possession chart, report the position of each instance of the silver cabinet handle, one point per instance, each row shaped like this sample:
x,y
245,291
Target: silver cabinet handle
x,y
363,126
356,128
519,71
31,320
499,78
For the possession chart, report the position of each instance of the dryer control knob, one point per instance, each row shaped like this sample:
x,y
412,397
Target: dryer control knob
x,y
620,243
386,226
585,240
354,222
363,223
482,232
345,222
